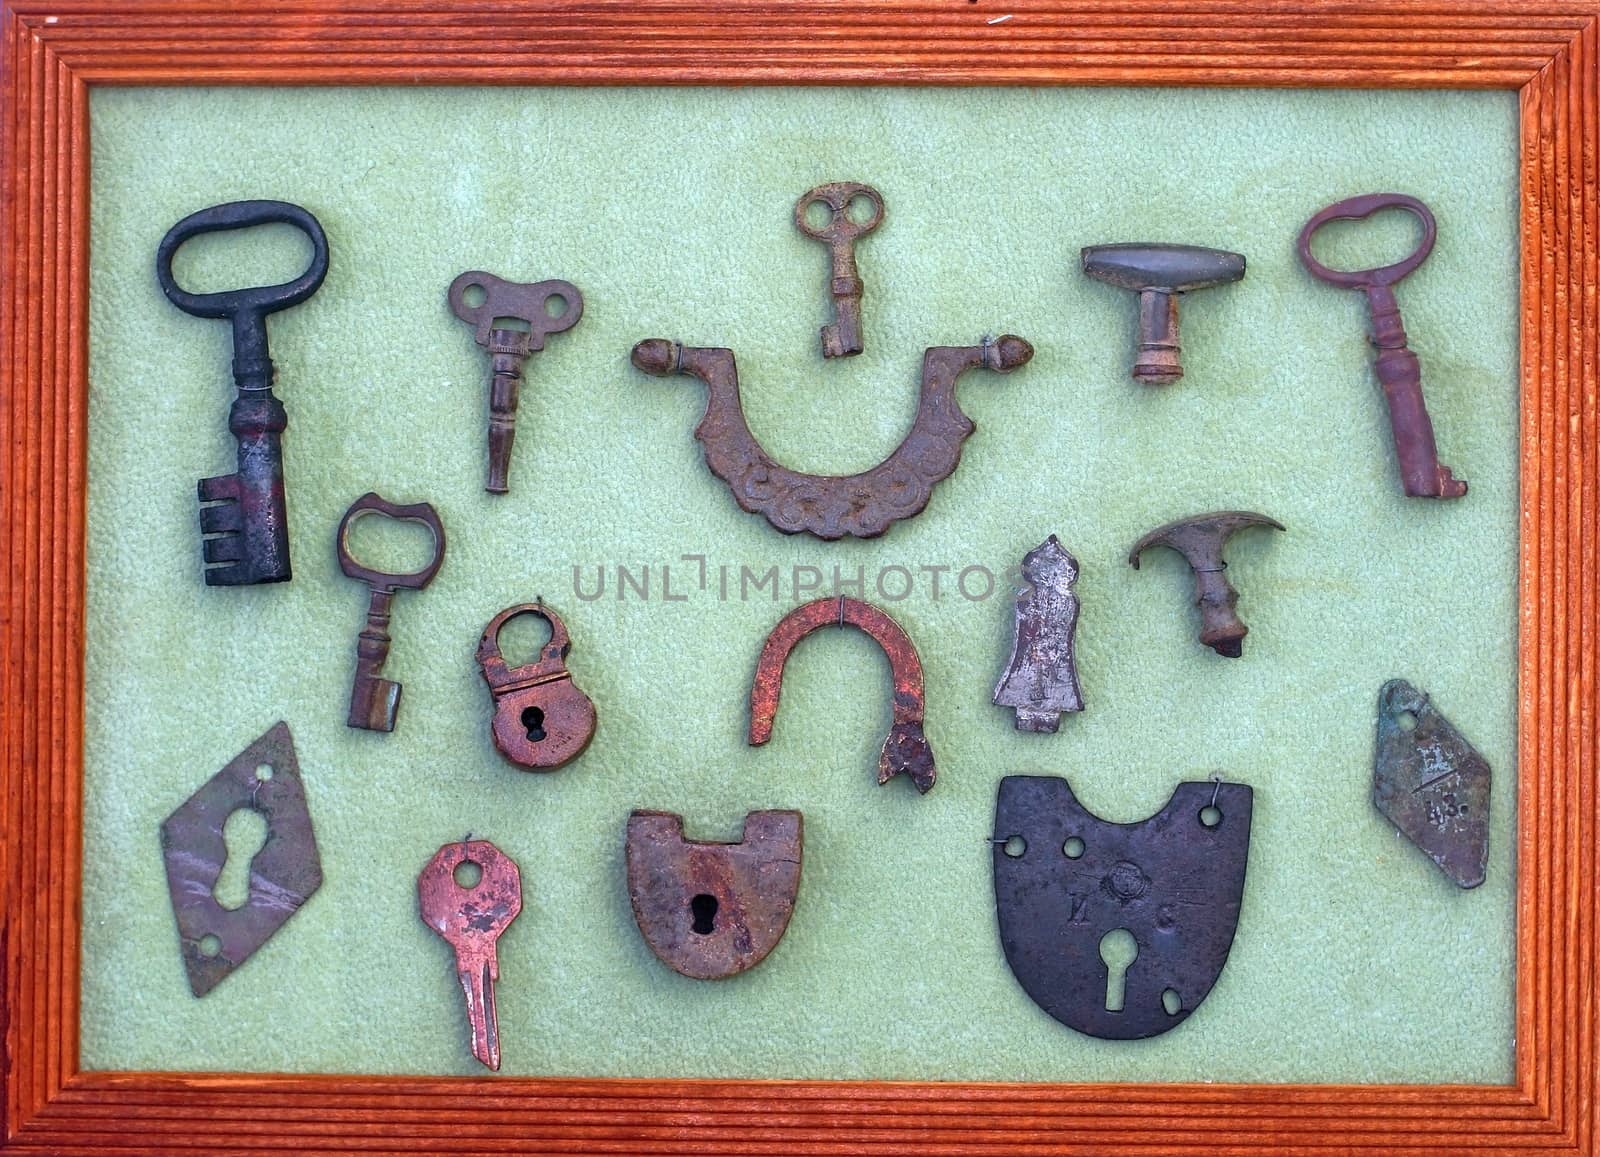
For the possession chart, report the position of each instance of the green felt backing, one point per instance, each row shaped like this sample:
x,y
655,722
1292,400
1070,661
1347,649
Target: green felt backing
x,y
1355,959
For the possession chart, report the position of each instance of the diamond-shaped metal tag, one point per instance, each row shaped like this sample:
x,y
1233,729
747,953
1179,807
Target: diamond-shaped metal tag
x,y
1431,783
283,875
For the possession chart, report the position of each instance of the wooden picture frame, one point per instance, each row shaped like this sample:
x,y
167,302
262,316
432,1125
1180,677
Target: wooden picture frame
x,y
52,52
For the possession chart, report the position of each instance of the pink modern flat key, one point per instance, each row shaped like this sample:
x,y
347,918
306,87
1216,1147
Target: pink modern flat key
x,y
469,893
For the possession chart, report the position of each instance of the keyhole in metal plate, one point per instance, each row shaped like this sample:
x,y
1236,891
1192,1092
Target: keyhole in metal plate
x,y
1118,951
244,833
704,910
533,720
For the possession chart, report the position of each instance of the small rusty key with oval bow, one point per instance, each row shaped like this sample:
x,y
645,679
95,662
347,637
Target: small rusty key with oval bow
x,y
545,307
1422,475
374,701
471,914
841,339
541,720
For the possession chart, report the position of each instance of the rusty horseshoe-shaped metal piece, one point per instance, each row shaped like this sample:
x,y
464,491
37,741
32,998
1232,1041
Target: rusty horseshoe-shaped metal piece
x,y
831,506
906,749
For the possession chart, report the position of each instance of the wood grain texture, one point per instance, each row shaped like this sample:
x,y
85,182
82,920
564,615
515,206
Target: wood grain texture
x,y
51,53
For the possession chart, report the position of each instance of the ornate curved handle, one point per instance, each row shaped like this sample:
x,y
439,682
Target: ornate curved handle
x,y
831,506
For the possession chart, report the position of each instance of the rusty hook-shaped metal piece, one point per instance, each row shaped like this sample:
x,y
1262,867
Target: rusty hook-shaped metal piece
x,y
831,506
906,749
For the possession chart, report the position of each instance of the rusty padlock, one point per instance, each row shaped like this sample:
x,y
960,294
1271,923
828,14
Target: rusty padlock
x,y
541,720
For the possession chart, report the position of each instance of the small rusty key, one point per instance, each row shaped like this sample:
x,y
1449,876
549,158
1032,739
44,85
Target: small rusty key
x,y
374,701
842,339
509,346
244,522
1421,473
469,893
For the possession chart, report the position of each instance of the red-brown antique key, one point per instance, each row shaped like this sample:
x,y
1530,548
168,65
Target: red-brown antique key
x,y
1422,475
541,720
471,914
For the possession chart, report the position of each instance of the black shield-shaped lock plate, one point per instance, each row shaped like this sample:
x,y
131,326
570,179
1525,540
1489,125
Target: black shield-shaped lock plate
x,y
1064,879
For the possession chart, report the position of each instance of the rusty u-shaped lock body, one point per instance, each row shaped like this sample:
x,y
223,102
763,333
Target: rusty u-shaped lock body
x,y
541,720
1421,473
712,910
831,506
906,749
375,701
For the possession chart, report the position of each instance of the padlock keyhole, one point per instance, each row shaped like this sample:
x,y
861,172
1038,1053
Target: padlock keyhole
x,y
1118,951
703,908
533,720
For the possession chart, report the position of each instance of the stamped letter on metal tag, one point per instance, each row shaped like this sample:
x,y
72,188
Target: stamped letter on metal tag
x,y
1429,782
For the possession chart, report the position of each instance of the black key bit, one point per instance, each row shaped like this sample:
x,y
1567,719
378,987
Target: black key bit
x,y
249,521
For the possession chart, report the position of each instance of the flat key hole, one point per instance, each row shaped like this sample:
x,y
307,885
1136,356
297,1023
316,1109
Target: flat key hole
x,y
703,910
533,720
1210,815
467,874
861,209
394,546
1014,847
1118,951
474,295
1171,1002
555,305
1073,848
1385,238
244,833
1406,721
210,944
263,771
819,215
272,253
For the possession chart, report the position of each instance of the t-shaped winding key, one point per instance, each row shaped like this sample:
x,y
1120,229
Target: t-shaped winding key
x,y
374,701
545,307
1159,273
1200,540
842,339
249,523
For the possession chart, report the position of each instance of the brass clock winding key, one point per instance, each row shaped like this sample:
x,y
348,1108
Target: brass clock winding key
x,y
535,310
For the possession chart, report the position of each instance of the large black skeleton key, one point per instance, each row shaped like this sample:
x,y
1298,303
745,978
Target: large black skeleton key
x,y
243,513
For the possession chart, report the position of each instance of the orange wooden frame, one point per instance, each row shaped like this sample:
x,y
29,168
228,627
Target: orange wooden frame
x,y
52,51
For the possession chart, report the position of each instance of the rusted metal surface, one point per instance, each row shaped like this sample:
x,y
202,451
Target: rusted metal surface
x,y
244,520
1041,678
214,940
1422,475
471,917
541,720
1064,879
1430,783
842,337
545,307
374,701
1200,540
830,506
711,910
1159,274
906,749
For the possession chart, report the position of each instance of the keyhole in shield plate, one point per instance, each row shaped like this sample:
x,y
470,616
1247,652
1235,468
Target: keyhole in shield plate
x,y
244,833
533,720
1118,951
